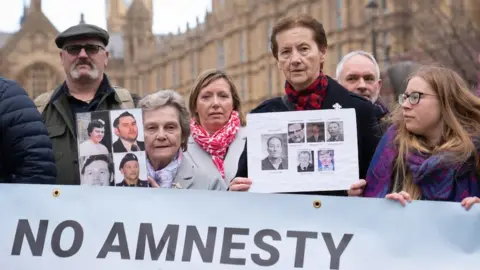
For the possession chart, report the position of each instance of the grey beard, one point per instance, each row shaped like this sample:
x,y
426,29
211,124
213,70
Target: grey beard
x,y
92,74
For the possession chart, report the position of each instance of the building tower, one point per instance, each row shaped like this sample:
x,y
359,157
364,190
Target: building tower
x,y
117,12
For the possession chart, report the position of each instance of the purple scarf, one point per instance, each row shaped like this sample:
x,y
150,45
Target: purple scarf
x,y
437,178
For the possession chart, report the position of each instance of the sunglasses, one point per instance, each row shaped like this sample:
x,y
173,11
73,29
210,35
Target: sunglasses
x,y
90,49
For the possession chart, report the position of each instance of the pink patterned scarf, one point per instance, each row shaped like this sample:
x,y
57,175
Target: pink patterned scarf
x,y
217,144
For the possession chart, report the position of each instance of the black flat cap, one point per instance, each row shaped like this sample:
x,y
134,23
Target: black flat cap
x,y
82,31
128,157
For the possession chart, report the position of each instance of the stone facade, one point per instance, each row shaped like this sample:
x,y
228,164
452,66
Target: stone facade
x,y
233,36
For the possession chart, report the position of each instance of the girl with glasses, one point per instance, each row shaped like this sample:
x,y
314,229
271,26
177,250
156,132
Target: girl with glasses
x,y
431,151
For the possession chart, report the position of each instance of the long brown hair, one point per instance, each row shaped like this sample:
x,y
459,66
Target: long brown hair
x,y
460,110
206,78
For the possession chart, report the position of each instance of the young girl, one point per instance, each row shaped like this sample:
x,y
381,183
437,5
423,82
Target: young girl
x,y
431,151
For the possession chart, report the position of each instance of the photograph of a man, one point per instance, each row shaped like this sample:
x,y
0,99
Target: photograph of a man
x,y
275,159
97,171
126,129
130,168
305,161
93,146
335,131
326,160
296,133
316,132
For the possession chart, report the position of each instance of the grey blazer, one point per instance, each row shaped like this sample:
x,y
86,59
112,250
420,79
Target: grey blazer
x,y
189,176
203,159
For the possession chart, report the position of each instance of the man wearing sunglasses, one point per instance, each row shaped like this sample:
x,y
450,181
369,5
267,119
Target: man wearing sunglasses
x,y
86,89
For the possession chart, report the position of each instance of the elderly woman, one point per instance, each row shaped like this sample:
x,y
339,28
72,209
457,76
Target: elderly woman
x,y
299,45
432,150
218,136
166,128
93,146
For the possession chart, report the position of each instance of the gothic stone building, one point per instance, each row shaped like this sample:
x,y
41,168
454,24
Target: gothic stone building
x,y
233,36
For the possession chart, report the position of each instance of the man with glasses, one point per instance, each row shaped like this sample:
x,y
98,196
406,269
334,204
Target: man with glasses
x,y
86,89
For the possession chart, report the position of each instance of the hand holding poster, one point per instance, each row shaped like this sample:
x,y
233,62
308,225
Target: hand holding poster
x,y
302,150
123,229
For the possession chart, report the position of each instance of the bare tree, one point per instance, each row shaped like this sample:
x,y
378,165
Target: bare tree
x,y
448,35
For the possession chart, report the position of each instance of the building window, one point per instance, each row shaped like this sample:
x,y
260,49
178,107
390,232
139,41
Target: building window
x,y
269,33
38,79
339,14
386,48
243,88
193,65
340,52
220,55
159,78
384,5
241,44
175,73
269,81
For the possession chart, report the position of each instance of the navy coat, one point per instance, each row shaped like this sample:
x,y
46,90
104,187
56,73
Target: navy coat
x,y
26,154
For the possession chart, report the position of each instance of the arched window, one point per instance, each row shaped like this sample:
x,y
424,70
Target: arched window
x,y
38,79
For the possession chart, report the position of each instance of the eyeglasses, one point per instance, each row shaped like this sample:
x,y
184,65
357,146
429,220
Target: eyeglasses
x,y
90,49
413,98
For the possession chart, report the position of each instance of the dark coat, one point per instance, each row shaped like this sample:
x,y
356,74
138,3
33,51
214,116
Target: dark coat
x,y
26,154
368,129
118,146
59,119
267,166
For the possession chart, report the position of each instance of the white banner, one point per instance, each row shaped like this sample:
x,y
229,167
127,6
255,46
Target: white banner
x,y
83,227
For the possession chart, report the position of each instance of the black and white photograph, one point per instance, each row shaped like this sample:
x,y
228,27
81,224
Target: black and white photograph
x,y
276,152
322,150
335,131
130,169
305,159
127,127
97,170
315,132
93,133
326,160
296,133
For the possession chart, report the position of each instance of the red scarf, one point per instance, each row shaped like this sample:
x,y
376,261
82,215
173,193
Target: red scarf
x,y
310,98
217,144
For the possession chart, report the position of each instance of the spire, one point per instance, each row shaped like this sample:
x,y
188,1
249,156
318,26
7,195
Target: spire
x,y
25,11
82,18
35,5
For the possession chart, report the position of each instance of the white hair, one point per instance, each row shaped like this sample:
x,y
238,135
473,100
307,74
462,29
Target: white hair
x,y
355,53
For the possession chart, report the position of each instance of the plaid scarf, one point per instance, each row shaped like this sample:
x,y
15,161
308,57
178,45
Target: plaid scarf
x,y
217,144
436,176
310,98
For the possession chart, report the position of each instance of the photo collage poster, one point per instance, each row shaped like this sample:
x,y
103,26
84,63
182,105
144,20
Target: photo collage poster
x,y
302,150
111,148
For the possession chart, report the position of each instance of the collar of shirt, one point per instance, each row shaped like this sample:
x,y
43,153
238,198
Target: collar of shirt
x,y
128,145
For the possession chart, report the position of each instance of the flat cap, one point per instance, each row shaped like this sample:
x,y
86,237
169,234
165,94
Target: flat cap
x,y
82,31
128,157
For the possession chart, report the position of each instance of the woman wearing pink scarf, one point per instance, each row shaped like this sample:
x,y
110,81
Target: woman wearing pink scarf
x,y
217,134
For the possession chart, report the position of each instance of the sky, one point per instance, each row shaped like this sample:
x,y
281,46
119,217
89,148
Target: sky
x,y
168,15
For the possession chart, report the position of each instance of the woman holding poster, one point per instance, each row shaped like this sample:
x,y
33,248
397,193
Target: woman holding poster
x,y
432,150
299,45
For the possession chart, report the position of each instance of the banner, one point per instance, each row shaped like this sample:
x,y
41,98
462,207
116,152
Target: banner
x,y
85,227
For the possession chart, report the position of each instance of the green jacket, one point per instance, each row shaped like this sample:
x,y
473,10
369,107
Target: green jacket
x,y
61,130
